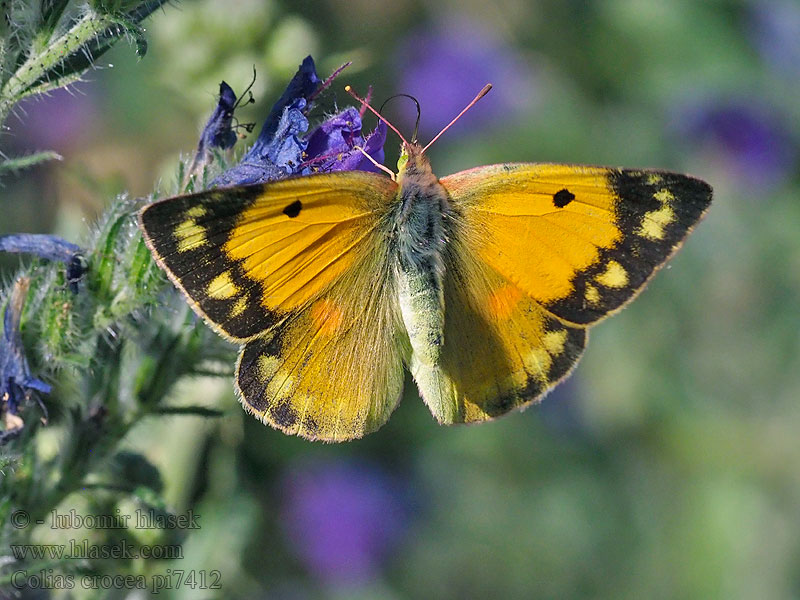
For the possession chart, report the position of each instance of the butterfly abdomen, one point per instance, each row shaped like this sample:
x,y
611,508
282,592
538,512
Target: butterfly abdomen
x,y
420,243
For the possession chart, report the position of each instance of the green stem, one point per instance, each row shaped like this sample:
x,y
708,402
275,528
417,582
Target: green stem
x,y
37,66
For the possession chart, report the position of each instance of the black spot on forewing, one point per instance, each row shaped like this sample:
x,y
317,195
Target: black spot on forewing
x,y
563,197
293,209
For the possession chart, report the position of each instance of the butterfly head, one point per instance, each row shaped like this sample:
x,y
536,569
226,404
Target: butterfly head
x,y
412,161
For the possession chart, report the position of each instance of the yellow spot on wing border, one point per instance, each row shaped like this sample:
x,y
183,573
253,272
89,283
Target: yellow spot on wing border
x,y
195,212
239,307
222,287
554,341
614,276
654,222
592,295
189,235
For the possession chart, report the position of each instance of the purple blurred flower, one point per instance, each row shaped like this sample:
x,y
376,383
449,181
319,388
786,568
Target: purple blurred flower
x,y
282,149
774,28
342,519
444,67
16,381
751,140
57,121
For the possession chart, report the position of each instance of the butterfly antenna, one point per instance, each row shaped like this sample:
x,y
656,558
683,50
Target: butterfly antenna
x,y
480,95
350,91
419,111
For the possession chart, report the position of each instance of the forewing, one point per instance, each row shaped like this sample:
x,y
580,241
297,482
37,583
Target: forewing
x,y
581,241
249,257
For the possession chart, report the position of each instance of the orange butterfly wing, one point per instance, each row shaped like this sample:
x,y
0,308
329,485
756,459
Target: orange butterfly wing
x,y
536,253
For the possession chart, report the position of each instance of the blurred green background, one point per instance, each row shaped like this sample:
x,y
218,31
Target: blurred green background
x,y
668,466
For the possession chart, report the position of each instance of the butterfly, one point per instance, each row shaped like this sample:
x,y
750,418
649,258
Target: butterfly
x,y
483,283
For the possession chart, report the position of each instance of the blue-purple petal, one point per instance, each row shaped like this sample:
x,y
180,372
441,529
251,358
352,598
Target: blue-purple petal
x,y
273,158
15,375
49,247
333,145
218,132
304,83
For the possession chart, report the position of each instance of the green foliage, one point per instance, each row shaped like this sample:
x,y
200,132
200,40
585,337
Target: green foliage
x,y
50,44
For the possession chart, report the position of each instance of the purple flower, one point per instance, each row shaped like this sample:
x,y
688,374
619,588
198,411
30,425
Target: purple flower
x,y
49,247
444,67
282,148
748,138
218,132
271,157
342,519
278,150
58,120
774,28
333,145
16,381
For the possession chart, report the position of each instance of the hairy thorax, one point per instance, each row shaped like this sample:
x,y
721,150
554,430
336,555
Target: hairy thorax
x,y
420,234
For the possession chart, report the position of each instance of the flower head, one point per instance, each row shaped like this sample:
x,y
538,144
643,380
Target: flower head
x,y
16,381
283,148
